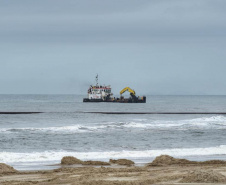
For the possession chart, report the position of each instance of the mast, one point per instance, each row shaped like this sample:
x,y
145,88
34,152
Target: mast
x,y
97,80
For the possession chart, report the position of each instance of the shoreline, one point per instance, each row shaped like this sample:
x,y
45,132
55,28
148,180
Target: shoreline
x,y
163,170
139,162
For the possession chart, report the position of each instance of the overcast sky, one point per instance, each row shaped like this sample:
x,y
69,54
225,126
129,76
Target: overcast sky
x,y
159,47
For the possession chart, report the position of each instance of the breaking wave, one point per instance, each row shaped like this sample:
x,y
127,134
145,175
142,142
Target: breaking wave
x,y
214,122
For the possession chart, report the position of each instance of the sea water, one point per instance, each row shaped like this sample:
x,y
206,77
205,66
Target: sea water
x,y
65,128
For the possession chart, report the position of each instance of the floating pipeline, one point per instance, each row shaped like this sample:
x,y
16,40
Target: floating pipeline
x,y
95,112
20,112
217,113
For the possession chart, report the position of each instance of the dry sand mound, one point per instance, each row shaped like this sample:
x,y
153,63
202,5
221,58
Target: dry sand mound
x,y
203,177
69,160
164,160
99,163
122,162
4,168
220,162
168,160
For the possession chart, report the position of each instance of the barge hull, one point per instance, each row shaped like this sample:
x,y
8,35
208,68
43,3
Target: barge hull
x,y
125,100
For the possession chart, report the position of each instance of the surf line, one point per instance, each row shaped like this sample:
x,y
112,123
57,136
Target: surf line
x,y
157,112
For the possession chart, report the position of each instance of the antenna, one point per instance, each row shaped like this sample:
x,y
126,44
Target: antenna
x,y
97,80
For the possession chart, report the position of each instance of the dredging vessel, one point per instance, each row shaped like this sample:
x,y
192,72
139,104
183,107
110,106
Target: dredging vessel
x,y
102,93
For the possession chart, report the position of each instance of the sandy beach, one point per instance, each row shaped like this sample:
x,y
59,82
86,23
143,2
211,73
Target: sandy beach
x,y
163,170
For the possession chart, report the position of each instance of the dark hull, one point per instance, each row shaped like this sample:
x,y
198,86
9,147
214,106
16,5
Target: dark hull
x,y
92,100
125,100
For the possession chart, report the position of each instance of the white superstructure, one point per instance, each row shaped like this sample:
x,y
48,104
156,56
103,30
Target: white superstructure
x,y
99,92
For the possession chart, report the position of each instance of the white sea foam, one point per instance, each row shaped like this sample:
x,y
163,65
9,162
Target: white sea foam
x,y
214,122
204,122
73,128
140,119
56,156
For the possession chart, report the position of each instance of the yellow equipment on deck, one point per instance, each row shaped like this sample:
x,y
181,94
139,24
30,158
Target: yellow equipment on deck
x,y
132,92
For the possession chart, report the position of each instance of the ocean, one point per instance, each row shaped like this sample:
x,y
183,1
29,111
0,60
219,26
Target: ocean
x,y
38,141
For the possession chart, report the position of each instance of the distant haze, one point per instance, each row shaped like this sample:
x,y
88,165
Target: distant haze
x,y
157,47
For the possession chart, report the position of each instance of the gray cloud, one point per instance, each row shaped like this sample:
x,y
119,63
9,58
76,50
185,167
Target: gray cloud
x,y
110,20
155,46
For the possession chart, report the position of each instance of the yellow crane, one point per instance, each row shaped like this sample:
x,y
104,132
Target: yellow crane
x,y
132,92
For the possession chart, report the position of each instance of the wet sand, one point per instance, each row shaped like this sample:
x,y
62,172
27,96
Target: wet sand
x,y
163,170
